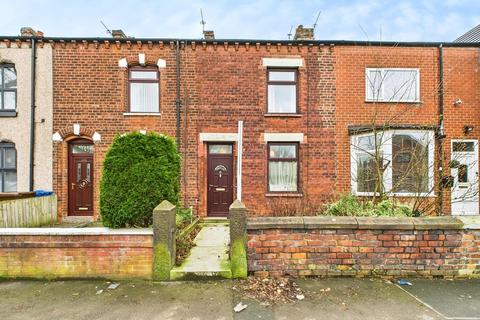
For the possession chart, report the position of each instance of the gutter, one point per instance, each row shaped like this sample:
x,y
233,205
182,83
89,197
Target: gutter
x,y
32,114
250,41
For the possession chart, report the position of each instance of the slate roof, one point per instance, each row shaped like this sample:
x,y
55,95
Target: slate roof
x,y
471,36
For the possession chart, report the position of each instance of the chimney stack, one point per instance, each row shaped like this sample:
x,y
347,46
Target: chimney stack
x,y
30,32
302,33
208,35
118,33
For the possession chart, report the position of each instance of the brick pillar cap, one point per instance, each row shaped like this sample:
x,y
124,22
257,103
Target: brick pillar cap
x,y
237,204
165,205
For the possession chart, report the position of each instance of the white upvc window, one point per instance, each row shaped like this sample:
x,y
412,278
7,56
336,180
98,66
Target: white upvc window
x,y
144,90
392,85
403,159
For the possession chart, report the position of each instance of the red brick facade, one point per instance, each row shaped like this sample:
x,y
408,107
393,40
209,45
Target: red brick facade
x,y
113,256
370,252
222,83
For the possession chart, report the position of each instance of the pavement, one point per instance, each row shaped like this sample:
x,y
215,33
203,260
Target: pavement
x,y
347,298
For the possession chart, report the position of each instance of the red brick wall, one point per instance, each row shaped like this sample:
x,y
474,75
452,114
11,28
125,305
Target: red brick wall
x,y
461,80
346,252
231,86
90,89
76,256
224,83
220,84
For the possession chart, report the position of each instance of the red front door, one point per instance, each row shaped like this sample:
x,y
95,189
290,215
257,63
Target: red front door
x,y
80,178
220,179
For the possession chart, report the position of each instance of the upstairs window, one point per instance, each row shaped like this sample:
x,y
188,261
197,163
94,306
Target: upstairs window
x,y
8,87
8,167
143,83
283,167
282,90
392,85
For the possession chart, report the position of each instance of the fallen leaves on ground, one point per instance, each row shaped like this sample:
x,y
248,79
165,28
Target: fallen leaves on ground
x,y
185,244
269,291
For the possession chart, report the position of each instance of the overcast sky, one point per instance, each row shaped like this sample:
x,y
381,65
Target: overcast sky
x,y
401,20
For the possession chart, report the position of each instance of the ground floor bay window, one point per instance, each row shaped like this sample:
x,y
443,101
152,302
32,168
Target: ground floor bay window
x,y
394,162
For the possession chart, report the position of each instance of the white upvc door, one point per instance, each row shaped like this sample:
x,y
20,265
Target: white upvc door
x,y
465,189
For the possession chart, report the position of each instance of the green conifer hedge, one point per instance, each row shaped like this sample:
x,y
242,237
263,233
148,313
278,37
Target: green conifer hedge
x,y
139,172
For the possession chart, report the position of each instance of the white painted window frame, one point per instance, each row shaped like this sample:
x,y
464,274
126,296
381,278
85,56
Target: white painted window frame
x,y
386,147
369,96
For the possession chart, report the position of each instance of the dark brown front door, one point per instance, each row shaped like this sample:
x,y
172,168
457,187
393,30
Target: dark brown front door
x,y
80,178
220,179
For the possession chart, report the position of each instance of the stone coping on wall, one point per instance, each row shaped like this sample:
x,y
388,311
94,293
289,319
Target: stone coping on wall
x,y
383,223
94,231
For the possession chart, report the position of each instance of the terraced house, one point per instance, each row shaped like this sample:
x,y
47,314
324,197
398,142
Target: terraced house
x,y
283,125
26,111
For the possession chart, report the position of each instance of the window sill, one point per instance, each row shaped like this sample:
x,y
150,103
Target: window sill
x,y
143,114
397,195
285,115
391,102
284,194
9,113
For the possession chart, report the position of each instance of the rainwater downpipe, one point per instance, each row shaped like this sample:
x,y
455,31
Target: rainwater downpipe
x,y
441,130
32,114
177,101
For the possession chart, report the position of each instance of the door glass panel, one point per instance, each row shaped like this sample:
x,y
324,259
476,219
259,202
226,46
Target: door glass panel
x,y
463,147
220,148
462,173
88,172
82,148
79,172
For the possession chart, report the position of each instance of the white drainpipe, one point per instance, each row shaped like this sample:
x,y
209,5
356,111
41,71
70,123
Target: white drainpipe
x,y
239,160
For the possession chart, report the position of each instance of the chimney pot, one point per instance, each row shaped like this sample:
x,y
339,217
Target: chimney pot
x,y
118,33
302,33
208,35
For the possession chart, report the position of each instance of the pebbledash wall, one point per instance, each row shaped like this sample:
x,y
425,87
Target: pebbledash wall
x,y
15,128
75,253
347,246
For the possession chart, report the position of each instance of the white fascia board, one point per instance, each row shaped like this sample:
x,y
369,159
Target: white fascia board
x,y
283,137
282,62
218,137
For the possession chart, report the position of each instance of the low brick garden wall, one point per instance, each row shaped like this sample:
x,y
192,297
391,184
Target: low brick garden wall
x,y
348,246
76,253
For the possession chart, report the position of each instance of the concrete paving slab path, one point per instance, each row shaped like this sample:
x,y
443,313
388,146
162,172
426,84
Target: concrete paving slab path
x,y
209,257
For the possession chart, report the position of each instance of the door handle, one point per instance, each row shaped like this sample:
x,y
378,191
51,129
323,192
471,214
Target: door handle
x,y
73,184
